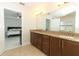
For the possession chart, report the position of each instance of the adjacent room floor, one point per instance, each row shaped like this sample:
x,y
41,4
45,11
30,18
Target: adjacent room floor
x,y
12,42
28,50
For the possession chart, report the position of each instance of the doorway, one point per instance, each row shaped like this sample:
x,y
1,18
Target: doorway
x,y
13,29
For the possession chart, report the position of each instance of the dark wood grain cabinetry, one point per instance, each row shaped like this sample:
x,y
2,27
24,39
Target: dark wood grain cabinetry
x,y
46,44
36,40
70,48
54,46
32,38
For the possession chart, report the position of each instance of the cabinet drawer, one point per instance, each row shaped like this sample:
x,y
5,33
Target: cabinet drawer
x,y
45,37
46,44
55,46
70,48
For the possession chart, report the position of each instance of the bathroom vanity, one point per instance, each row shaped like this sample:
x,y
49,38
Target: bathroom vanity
x,y
59,35
55,43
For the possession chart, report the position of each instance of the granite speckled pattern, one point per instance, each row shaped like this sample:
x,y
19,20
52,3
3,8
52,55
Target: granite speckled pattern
x,y
55,34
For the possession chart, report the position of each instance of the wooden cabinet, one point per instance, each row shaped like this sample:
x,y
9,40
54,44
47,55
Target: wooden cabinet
x,y
36,40
70,48
55,46
33,38
39,41
46,44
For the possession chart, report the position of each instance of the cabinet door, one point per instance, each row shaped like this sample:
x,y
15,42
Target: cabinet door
x,y
33,37
36,40
45,44
70,48
55,46
39,41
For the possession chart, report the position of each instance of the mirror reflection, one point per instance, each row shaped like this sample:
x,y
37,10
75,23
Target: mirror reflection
x,y
65,23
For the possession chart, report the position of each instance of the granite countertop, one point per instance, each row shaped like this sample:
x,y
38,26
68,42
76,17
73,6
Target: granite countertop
x,y
49,33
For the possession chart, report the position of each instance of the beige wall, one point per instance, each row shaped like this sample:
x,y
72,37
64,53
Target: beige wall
x,y
29,13
28,22
40,11
1,30
28,18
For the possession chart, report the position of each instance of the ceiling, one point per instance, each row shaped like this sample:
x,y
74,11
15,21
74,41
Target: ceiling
x,y
45,7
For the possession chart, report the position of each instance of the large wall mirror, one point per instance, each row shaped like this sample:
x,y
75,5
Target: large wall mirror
x,y
67,22
64,23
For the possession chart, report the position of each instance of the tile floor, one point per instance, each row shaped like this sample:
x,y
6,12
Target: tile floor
x,y
28,50
12,42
